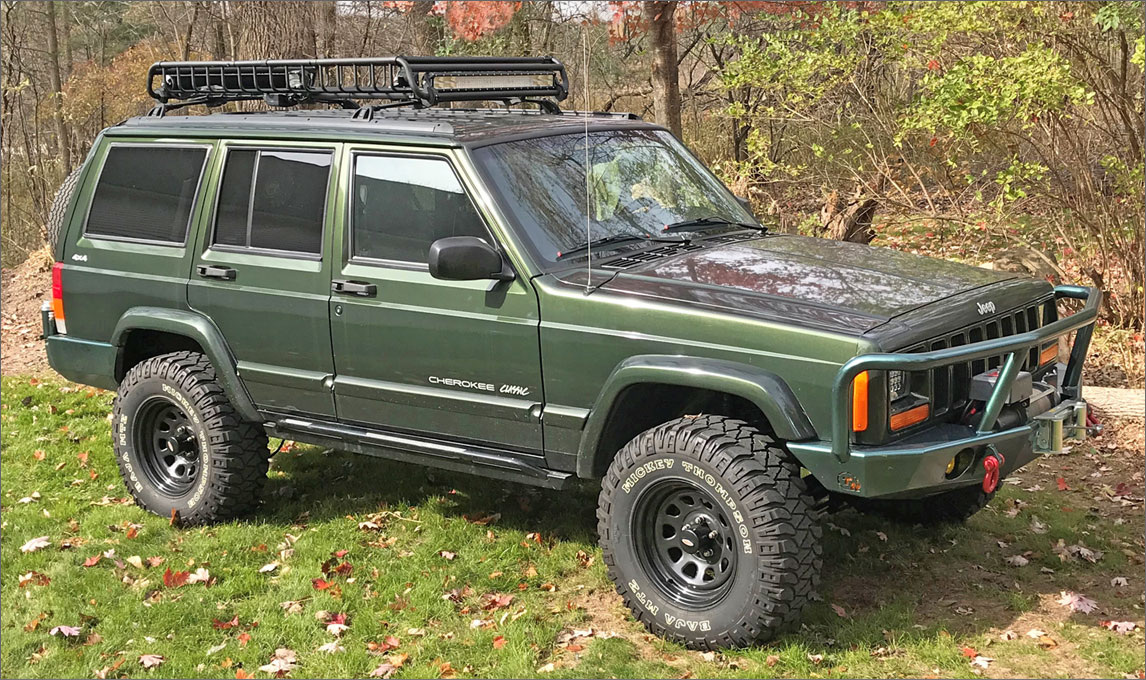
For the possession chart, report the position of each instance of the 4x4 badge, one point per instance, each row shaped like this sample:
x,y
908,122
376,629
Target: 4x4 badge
x,y
985,307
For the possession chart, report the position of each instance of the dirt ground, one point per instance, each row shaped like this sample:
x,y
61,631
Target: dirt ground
x,y
23,289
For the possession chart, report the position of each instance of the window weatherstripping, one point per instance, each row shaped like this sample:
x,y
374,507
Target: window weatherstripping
x,y
411,201
191,196
267,203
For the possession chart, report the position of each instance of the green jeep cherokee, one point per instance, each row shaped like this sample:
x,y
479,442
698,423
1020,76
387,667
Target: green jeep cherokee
x,y
540,297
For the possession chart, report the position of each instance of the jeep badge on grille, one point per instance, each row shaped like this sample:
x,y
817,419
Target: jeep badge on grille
x,y
985,308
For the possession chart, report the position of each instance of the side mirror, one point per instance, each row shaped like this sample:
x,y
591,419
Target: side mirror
x,y
466,258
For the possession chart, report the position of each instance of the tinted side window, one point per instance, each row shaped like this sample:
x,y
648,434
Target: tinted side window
x,y
402,205
286,207
146,193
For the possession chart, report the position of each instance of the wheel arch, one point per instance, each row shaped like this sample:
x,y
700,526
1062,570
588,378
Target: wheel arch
x,y
171,329
678,382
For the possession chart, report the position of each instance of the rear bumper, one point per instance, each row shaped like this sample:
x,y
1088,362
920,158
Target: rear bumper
x,y
918,466
83,361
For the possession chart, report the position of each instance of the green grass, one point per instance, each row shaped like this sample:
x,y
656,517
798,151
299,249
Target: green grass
x,y
900,595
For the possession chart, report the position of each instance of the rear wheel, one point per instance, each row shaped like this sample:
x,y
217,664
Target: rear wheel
x,y
709,533
59,210
180,446
949,507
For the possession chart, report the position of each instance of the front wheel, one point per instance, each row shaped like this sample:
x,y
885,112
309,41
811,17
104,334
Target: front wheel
x,y
709,533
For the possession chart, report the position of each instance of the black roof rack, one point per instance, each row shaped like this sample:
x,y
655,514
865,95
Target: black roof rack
x,y
416,81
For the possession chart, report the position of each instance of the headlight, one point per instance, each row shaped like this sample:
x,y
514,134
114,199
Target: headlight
x,y
897,385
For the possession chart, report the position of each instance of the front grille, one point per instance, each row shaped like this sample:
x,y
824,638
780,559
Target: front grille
x,y
951,384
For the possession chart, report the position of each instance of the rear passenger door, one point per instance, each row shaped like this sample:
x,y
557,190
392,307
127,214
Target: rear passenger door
x,y
261,275
419,354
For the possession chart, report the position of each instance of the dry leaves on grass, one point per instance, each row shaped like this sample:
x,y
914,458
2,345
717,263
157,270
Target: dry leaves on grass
x,y
151,660
1120,627
35,544
65,631
282,663
1076,602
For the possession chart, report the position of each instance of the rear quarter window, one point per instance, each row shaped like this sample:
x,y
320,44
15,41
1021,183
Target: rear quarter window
x,y
146,193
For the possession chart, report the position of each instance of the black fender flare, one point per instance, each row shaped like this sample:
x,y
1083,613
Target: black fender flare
x,y
200,329
768,391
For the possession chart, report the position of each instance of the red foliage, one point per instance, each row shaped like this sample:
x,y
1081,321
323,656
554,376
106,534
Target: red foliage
x,y
472,20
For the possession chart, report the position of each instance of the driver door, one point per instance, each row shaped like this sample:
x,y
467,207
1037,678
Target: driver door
x,y
417,354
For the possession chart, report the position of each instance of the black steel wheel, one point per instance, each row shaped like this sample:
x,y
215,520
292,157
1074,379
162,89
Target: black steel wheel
x,y
181,448
685,543
168,446
709,532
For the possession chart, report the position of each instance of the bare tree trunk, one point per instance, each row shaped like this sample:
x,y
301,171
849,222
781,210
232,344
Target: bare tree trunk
x,y
190,32
424,38
666,79
62,145
66,36
328,25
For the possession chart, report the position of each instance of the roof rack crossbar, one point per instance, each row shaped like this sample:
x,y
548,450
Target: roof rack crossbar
x,y
424,81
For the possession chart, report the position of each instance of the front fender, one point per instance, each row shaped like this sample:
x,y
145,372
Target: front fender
x,y
765,389
200,329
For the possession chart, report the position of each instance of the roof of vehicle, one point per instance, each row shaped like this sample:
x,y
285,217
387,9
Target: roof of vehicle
x,y
471,127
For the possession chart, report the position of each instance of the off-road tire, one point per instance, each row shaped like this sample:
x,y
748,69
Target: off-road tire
x,y
949,507
59,210
771,516
232,454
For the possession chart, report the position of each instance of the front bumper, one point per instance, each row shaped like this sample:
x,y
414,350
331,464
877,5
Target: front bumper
x,y
919,466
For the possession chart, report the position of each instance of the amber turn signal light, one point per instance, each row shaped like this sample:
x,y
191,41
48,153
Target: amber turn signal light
x,y
859,402
1048,354
910,417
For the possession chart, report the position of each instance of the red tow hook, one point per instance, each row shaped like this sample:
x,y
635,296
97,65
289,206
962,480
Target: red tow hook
x,y
991,465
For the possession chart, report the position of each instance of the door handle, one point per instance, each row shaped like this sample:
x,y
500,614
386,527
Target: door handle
x,y
358,288
210,271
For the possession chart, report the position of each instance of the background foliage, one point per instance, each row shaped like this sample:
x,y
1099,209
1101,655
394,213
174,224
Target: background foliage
x,y
1003,131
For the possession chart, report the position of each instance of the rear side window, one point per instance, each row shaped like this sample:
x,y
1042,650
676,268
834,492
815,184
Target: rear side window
x,y
273,200
146,193
401,205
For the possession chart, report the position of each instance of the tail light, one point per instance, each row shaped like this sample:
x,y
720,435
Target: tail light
x,y
859,402
58,297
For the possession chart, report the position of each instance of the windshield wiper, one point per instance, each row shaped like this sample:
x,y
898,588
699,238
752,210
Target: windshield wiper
x,y
612,239
701,223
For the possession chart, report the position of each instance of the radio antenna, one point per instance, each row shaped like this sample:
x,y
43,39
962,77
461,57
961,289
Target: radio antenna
x,y
588,201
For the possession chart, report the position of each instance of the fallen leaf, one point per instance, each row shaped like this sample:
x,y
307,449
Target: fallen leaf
x,y
1119,582
1035,633
332,647
1038,527
35,544
1008,635
495,601
385,670
225,625
268,568
816,658
34,578
772,660
547,668
981,661
151,660
1120,627
1077,602
840,612
216,649
1061,487
446,555
1017,561
882,536
65,631
243,638
499,641
200,575
175,579
969,652
283,662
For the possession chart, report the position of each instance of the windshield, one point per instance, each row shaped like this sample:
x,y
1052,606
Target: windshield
x,y
639,181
